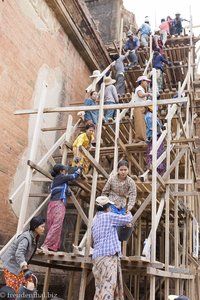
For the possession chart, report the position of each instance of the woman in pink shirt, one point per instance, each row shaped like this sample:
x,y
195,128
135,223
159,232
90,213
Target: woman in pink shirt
x,y
164,30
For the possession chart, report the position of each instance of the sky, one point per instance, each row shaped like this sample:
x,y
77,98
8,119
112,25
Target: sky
x,y
157,9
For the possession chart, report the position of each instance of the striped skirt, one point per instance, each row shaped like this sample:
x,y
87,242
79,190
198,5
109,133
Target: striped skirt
x,y
108,278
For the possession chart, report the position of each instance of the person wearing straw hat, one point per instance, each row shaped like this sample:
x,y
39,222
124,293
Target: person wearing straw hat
x,y
110,97
141,94
107,251
174,297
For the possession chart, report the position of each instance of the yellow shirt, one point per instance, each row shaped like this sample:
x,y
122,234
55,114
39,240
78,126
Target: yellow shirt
x,y
83,140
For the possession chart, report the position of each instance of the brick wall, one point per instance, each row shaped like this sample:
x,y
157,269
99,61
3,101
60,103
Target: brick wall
x,y
30,37
107,15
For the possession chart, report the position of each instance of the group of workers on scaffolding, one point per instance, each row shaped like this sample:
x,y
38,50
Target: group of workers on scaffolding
x,y
119,193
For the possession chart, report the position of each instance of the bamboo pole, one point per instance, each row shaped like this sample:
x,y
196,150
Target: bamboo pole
x,y
167,209
96,107
121,36
93,193
176,227
40,98
154,186
44,159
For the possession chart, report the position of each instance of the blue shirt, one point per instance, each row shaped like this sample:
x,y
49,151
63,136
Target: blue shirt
x,y
159,61
149,124
132,44
104,233
145,29
59,186
91,115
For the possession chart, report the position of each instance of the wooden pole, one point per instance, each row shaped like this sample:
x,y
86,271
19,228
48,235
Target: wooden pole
x,y
40,98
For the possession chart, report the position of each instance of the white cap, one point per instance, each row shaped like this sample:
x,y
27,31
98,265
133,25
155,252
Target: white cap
x,y
172,297
103,200
96,73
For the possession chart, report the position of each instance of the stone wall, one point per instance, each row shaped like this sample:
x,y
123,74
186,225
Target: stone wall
x,y
107,16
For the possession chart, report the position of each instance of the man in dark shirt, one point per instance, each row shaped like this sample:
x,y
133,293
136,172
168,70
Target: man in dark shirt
x,y
177,24
158,64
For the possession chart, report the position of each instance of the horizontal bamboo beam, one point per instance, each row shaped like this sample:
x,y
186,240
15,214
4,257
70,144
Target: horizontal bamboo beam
x,y
96,107
166,274
184,194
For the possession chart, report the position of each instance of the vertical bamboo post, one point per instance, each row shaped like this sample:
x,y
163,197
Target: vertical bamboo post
x,y
67,137
176,228
93,193
41,96
121,36
117,124
46,283
154,185
167,208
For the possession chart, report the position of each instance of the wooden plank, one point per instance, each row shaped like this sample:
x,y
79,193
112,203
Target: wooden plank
x,y
130,157
167,274
79,208
127,292
179,181
39,169
93,162
184,194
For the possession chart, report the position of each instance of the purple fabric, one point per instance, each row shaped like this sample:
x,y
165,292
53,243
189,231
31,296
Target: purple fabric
x,y
162,167
55,217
